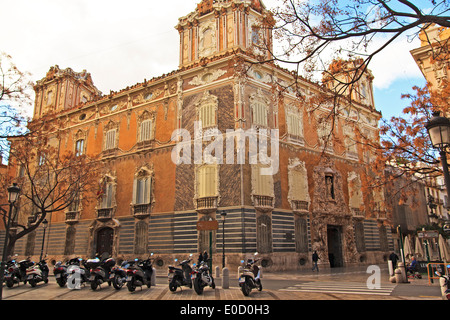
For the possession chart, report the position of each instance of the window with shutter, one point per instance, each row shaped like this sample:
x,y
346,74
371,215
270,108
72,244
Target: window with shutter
x,y
206,110
146,130
143,190
207,181
110,139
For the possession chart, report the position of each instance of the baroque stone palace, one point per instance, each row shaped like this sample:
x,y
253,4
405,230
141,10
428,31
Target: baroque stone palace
x,y
314,200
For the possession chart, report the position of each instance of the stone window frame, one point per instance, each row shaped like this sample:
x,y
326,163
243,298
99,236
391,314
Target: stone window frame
x,y
111,144
215,192
147,173
141,119
208,101
80,135
109,179
292,111
258,104
297,166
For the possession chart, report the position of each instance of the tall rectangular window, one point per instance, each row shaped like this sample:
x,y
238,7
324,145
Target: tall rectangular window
x,y
143,190
207,181
79,148
110,142
107,196
262,184
207,115
146,130
259,114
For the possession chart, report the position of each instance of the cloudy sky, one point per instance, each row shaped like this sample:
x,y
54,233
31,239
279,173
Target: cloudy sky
x,y
122,44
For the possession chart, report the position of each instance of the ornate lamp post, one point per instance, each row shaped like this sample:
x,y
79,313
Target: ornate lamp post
x,y
223,214
13,195
439,131
44,225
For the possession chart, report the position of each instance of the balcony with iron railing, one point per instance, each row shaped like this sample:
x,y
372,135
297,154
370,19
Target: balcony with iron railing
x,y
300,206
358,213
206,204
72,217
263,203
104,214
381,215
141,210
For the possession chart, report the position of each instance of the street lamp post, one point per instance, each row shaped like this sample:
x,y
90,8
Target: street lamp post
x,y
439,131
44,225
13,195
223,214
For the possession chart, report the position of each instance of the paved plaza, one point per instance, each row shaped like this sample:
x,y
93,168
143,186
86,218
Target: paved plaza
x,y
339,284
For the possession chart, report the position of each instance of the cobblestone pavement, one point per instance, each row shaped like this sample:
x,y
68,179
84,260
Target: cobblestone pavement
x,y
302,288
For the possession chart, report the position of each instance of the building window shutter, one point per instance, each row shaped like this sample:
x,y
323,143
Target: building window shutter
x,y
146,130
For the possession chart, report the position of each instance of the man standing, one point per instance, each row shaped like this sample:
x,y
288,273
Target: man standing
x,y
315,258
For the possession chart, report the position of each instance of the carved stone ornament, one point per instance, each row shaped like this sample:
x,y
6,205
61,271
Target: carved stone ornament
x,y
207,77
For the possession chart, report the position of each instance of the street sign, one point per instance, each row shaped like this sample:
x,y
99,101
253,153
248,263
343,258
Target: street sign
x,y
207,225
428,234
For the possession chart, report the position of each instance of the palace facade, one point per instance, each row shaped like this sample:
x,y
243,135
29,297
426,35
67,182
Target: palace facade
x,y
156,187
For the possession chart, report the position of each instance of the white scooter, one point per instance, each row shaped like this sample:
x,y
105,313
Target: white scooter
x,y
250,277
444,281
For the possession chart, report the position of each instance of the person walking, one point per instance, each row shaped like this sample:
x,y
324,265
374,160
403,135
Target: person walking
x,y
394,258
315,258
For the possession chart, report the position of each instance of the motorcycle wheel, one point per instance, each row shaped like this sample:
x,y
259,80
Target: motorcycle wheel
x,y
198,286
173,286
9,283
61,282
32,283
130,286
245,289
117,282
259,285
94,285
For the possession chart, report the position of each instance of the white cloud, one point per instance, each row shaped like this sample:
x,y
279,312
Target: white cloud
x,y
395,62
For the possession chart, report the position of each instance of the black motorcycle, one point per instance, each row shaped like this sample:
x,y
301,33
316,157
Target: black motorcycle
x,y
60,273
180,277
38,272
118,275
201,277
99,271
17,272
139,273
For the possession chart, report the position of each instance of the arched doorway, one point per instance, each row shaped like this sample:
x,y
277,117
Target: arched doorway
x,y
105,237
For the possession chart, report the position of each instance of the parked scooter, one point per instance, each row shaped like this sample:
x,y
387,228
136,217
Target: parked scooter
x,y
38,272
60,272
118,275
201,277
180,277
444,281
250,277
77,274
139,273
17,272
99,271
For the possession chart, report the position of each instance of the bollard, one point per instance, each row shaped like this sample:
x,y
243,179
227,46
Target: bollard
x,y
153,280
398,276
225,278
217,272
401,266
